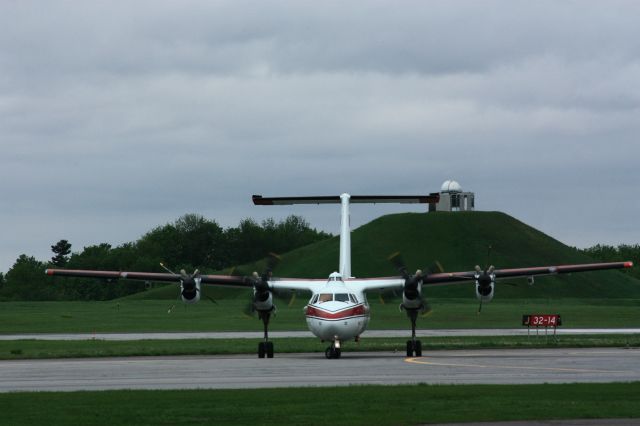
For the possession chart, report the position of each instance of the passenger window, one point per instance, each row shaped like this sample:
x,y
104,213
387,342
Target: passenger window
x,y
342,297
325,297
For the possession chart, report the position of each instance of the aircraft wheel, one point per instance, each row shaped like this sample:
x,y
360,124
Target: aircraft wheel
x,y
332,353
269,349
418,348
261,350
409,348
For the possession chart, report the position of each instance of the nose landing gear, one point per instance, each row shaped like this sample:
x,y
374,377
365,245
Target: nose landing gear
x,y
333,351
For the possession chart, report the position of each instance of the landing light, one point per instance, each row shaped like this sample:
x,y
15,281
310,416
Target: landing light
x,y
628,264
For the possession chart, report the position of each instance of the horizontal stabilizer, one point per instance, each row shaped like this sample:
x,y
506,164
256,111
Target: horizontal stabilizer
x,y
434,197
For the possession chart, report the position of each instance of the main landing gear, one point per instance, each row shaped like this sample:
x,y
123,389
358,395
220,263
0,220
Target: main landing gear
x,y
414,346
266,347
333,351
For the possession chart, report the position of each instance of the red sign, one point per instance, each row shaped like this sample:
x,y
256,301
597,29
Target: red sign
x,y
541,320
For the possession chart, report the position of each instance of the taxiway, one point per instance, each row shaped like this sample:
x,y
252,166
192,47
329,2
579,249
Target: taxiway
x,y
312,369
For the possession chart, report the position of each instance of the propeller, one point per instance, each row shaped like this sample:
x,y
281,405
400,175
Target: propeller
x,y
485,278
260,282
189,285
412,282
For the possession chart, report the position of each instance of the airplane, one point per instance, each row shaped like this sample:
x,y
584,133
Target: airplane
x,y
338,310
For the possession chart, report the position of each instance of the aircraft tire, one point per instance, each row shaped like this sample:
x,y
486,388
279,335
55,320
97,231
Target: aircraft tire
x,y
418,348
332,353
269,349
261,350
409,348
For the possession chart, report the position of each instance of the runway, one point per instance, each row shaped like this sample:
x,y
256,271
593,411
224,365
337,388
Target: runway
x,y
312,369
306,333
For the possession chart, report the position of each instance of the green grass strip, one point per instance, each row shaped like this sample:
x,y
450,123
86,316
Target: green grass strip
x,y
128,316
354,405
40,349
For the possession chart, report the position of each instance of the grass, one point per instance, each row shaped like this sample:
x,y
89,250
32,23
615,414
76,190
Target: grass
x,y
40,349
151,315
355,405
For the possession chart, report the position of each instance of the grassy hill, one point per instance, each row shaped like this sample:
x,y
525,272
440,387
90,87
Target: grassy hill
x,y
458,241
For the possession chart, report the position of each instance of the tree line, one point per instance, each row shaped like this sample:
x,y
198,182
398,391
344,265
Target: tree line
x,y
190,242
622,252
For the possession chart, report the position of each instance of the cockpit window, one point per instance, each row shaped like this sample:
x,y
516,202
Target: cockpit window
x,y
325,297
314,299
353,298
342,297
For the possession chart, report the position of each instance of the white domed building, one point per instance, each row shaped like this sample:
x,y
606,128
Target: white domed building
x,y
453,198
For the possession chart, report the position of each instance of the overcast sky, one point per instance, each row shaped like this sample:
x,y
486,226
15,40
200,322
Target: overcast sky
x,y
116,117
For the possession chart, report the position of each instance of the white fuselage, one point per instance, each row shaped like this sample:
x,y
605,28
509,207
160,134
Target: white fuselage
x,y
337,312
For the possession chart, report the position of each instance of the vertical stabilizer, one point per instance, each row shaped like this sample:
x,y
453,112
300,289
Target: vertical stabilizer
x,y
345,237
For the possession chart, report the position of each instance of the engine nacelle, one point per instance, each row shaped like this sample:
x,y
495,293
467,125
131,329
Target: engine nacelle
x,y
190,290
263,300
412,297
485,293
485,283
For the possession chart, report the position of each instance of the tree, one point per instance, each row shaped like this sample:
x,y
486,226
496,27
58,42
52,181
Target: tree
x,y
24,281
61,249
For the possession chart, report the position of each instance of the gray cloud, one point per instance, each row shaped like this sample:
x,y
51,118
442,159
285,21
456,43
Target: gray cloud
x,y
117,117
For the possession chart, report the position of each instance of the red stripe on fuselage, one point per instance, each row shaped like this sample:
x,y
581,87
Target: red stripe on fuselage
x,y
315,312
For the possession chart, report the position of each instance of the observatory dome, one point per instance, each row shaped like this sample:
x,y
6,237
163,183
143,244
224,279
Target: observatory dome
x,y
451,186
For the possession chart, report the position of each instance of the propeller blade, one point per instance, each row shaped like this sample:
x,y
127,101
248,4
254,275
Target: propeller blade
x,y
434,268
273,260
167,269
249,310
398,262
427,309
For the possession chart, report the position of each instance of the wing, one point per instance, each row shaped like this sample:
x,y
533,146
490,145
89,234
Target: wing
x,y
224,280
295,284
145,276
385,283
365,284
458,277
394,283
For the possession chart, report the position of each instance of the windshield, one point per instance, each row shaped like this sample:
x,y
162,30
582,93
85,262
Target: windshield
x,y
342,297
325,297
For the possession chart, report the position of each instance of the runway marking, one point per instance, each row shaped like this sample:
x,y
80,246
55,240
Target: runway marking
x,y
506,367
602,353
